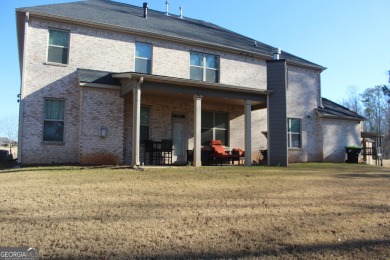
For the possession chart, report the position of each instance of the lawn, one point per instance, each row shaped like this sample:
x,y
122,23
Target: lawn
x,y
305,211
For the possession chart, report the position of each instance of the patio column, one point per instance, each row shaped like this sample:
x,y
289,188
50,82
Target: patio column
x,y
136,123
197,130
248,132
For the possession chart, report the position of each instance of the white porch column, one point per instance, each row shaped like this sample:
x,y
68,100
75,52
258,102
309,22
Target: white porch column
x,y
136,123
197,130
248,132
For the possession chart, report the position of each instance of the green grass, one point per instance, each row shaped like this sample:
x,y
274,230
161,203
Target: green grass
x,y
305,211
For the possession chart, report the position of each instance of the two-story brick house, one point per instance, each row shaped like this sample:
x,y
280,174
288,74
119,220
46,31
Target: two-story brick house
x,y
100,77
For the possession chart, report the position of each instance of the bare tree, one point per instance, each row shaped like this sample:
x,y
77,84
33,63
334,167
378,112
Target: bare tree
x,y
9,125
353,100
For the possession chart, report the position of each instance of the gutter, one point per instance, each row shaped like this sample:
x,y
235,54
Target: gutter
x,y
349,118
157,36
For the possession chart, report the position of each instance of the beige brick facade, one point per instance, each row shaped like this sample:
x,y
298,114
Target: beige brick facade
x,y
303,95
87,110
337,134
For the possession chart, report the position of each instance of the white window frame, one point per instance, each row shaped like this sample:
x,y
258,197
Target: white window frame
x,y
143,58
214,128
290,134
58,46
204,67
53,120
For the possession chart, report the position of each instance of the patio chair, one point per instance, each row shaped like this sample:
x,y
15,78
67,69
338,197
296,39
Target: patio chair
x,y
240,153
152,151
166,151
219,154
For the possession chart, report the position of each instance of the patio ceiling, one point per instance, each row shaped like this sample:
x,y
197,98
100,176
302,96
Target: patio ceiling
x,y
178,88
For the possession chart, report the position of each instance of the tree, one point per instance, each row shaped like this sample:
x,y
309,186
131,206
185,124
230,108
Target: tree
x,y
386,92
375,110
353,102
9,126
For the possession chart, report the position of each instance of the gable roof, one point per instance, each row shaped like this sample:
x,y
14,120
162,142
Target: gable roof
x,y
120,16
331,109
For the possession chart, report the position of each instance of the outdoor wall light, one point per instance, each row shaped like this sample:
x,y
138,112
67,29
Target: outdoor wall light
x,y
103,132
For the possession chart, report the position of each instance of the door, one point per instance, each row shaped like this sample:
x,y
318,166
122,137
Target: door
x,y
179,133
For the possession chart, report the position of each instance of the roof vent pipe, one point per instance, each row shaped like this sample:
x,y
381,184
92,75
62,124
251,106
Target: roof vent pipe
x,y
166,5
145,10
181,12
276,52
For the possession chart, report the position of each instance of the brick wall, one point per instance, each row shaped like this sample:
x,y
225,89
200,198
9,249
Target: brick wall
x,y
337,134
101,108
97,49
303,96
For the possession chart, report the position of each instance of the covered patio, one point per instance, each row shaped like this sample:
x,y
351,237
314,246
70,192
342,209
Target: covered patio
x,y
194,94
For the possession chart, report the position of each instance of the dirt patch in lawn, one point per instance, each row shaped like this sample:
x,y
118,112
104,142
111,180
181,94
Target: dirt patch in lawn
x,y
318,211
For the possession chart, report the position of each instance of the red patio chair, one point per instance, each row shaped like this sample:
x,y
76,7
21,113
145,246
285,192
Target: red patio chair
x,y
219,154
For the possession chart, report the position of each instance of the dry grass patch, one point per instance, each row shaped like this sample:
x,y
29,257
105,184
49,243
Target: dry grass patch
x,y
303,211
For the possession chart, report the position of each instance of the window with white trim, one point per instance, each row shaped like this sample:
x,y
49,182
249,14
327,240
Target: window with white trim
x,y
214,126
53,124
294,133
58,49
143,57
204,67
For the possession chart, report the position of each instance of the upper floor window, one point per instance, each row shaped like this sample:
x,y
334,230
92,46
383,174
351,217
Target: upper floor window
x,y
143,58
214,126
58,46
294,133
53,124
204,67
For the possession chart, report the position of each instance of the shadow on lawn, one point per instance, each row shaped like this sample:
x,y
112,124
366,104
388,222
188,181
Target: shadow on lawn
x,y
361,249
363,175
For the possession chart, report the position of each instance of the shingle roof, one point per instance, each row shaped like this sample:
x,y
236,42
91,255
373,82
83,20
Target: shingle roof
x,y
129,17
334,110
98,77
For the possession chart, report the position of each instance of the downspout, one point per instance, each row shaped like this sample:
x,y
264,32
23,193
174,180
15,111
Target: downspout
x,y
22,86
319,84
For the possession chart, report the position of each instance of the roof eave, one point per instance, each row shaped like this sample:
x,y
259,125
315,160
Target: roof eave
x,y
20,31
188,82
349,118
169,38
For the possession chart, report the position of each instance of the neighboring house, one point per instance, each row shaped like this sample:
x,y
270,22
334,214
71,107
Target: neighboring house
x,y
4,141
100,77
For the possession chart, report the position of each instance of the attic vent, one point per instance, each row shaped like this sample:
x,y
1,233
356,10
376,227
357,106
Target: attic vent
x,y
166,5
181,12
145,10
276,52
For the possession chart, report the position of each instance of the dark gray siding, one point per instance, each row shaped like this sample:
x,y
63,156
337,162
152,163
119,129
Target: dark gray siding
x,y
277,112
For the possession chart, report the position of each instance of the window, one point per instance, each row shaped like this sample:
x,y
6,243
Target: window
x,y
144,124
204,67
53,125
214,127
58,46
294,133
143,58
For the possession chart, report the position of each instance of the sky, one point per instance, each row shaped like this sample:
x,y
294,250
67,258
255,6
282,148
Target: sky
x,y
351,38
